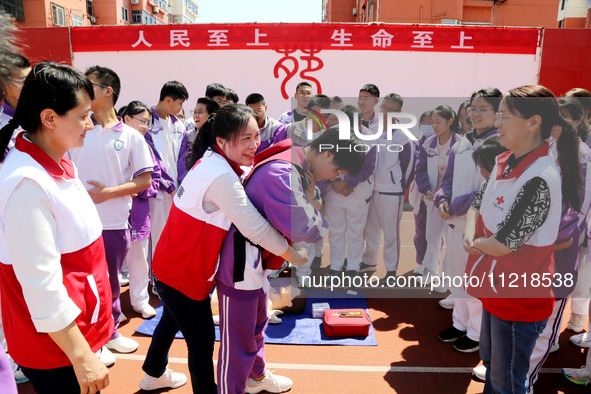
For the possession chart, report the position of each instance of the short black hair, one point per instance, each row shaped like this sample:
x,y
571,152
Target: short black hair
x,y
493,96
255,98
486,154
346,157
371,89
319,100
396,98
350,111
304,83
336,100
106,77
215,89
175,90
232,95
210,105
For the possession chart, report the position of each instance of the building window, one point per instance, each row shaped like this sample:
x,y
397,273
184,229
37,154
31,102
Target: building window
x,y
124,14
76,20
562,5
57,15
136,16
14,8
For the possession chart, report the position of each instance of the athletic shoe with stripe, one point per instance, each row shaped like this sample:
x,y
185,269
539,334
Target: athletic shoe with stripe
x,y
270,383
578,376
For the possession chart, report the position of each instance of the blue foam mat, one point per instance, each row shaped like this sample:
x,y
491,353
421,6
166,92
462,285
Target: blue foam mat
x,y
297,329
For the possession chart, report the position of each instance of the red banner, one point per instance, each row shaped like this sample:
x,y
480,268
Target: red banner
x,y
309,37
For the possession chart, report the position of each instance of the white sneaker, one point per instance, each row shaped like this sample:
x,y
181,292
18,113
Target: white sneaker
x,y
271,383
581,340
146,311
447,303
124,278
576,322
554,348
105,356
122,344
419,269
577,375
480,372
168,379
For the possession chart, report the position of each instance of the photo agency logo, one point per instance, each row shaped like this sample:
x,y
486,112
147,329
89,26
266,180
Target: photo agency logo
x,y
383,138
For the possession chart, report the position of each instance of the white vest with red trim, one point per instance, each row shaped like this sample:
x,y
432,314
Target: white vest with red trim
x,y
84,267
187,255
517,286
503,192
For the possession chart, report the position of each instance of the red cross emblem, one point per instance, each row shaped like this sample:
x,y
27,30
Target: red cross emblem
x,y
500,200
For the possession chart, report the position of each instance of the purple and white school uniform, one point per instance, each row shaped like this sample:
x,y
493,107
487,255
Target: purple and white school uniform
x,y
459,186
393,174
580,295
139,219
276,190
433,158
290,116
168,138
113,156
347,216
272,132
419,210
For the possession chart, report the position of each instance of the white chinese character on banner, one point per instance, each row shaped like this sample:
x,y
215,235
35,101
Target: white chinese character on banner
x,y
422,39
218,38
179,37
257,37
382,39
463,38
141,40
342,38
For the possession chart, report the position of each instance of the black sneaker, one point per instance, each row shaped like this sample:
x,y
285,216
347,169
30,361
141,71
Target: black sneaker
x,y
367,268
316,263
451,334
466,345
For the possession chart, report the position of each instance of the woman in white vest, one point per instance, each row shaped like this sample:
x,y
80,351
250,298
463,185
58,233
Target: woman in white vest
x,y
209,200
55,290
510,234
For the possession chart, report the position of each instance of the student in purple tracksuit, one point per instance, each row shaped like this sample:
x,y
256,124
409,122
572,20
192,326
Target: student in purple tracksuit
x,y
458,189
137,115
302,95
433,157
168,139
415,198
393,174
278,190
272,131
346,207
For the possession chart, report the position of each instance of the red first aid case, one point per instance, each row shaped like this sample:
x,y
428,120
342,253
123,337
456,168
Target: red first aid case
x,y
346,323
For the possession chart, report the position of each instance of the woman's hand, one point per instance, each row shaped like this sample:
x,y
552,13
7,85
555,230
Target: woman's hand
x,y
299,256
429,196
444,210
469,246
91,373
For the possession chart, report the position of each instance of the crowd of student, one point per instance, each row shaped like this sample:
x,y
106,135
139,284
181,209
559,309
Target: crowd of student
x,y
214,199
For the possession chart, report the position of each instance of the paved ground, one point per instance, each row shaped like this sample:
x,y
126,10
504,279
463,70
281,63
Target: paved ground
x,y
409,358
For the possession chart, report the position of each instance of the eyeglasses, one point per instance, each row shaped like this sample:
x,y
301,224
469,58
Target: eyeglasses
x,y
500,116
220,101
479,111
142,122
99,84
